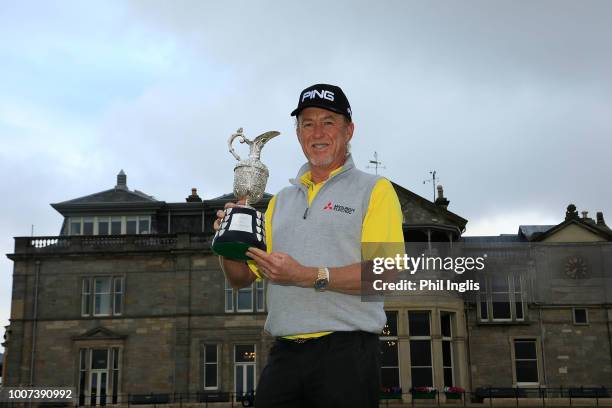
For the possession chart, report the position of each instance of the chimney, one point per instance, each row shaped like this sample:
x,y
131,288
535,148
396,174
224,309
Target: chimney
x,y
194,197
600,219
585,214
441,200
571,212
121,181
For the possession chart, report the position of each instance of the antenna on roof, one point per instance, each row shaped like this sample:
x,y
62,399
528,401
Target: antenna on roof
x,y
32,231
433,181
376,164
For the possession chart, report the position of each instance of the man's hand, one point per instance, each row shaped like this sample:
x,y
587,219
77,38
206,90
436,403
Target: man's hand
x,y
237,272
221,213
282,268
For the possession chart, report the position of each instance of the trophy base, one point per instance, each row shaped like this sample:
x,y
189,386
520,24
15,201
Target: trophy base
x,y
234,250
242,228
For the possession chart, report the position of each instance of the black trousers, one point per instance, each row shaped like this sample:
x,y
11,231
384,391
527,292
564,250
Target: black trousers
x,y
341,369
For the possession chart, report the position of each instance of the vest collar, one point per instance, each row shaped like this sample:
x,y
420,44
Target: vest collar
x,y
348,165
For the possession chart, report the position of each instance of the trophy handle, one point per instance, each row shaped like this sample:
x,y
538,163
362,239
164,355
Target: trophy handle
x,y
243,139
259,142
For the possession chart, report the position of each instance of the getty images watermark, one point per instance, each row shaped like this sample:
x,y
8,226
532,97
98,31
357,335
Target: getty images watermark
x,y
390,268
412,265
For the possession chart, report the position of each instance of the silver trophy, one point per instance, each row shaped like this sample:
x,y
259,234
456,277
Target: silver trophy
x,y
244,226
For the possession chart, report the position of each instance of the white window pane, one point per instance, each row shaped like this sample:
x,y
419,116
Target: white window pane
x,y
130,226
75,227
245,299
143,226
88,224
103,227
116,225
102,285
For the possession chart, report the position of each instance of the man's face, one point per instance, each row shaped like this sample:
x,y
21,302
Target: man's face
x,y
324,136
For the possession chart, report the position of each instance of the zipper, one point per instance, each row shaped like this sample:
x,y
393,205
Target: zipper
x,y
319,193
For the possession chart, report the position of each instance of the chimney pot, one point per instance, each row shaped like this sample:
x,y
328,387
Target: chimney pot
x,y
121,180
600,218
585,214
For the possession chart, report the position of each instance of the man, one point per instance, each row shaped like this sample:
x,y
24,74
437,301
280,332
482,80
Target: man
x,y
327,350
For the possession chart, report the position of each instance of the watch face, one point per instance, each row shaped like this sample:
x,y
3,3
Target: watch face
x,y
321,284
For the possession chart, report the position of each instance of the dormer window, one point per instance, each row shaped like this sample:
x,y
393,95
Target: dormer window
x,y
110,225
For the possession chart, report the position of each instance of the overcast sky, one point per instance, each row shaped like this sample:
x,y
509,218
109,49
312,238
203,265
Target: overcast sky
x,y
509,101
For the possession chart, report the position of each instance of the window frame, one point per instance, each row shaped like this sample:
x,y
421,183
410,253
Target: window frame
x,y
89,298
448,339
95,220
394,338
586,316
536,341
205,363
255,287
515,296
421,338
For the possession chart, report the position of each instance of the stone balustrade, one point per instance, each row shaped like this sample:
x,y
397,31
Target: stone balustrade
x,y
112,243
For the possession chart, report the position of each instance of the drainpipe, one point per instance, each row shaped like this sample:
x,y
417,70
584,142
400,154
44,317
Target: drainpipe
x,y
542,346
34,322
466,318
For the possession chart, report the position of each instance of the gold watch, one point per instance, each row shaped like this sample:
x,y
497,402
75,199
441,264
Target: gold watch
x,y
322,280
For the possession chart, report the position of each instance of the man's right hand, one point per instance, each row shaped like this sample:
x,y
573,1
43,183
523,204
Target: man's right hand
x,y
238,274
221,213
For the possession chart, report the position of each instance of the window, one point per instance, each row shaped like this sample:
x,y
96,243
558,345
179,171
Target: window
x,y
116,225
526,362
144,225
211,364
244,301
229,297
244,368
248,299
75,226
580,316
105,225
419,331
131,225
446,329
502,300
259,296
389,370
99,370
88,226
86,297
107,296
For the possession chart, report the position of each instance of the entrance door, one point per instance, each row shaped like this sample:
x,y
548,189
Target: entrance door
x,y
99,376
244,371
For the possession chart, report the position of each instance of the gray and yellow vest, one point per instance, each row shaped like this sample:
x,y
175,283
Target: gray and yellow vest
x,y
326,233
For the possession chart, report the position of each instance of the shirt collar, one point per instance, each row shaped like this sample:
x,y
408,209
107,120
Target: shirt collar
x,y
304,176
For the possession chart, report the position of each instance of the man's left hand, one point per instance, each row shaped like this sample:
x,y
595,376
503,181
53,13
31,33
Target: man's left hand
x,y
282,268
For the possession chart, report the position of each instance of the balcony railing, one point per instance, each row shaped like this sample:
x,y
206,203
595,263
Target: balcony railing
x,y
112,243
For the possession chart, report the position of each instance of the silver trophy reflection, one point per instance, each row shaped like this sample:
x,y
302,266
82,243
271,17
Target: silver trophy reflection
x,y
243,226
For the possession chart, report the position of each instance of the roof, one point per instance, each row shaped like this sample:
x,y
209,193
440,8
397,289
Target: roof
x,y
493,238
113,195
457,220
600,230
528,231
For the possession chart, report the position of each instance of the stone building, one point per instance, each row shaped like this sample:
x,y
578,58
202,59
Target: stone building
x,y
128,300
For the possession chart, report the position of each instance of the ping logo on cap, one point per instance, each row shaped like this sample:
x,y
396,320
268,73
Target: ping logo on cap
x,y
324,94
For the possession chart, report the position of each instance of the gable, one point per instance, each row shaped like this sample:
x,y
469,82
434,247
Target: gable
x,y
573,233
420,211
100,333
